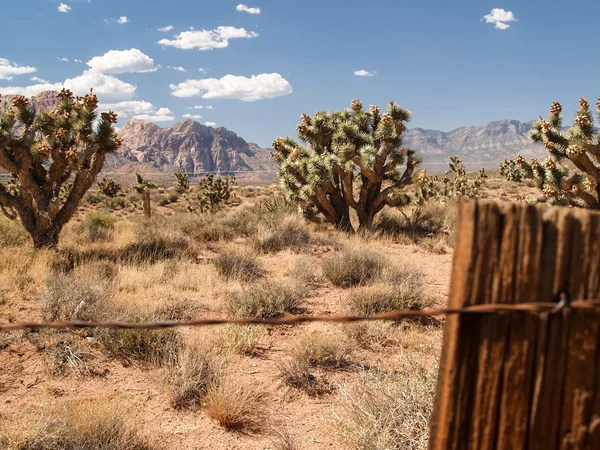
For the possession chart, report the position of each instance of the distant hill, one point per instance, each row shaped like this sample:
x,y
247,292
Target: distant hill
x,y
191,147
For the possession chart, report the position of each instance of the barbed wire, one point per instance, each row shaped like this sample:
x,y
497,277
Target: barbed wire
x,y
493,308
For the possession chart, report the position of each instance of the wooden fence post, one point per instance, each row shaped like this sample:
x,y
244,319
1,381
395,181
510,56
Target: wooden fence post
x,y
521,380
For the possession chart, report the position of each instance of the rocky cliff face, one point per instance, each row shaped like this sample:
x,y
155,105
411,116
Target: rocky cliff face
x,y
191,147
484,145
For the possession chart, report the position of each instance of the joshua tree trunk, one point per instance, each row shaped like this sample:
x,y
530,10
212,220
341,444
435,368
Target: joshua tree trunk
x,y
146,202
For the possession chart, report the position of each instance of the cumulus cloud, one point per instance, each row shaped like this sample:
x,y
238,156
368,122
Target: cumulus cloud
x,y
77,60
244,8
191,116
8,69
202,70
162,115
207,39
499,17
64,8
257,87
108,88
210,124
201,107
177,68
63,59
166,29
121,61
39,80
363,73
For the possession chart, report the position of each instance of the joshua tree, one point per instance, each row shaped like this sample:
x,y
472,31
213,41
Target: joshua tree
x,y
454,183
215,190
143,187
576,183
183,182
354,162
43,151
109,187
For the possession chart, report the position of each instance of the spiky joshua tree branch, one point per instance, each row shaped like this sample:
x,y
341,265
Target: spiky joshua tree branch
x,y
576,183
355,161
43,151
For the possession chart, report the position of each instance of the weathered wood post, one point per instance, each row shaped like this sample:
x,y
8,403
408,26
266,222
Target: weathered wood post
x,y
521,380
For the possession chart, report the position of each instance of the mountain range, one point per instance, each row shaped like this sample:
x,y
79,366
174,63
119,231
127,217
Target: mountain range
x,y
191,147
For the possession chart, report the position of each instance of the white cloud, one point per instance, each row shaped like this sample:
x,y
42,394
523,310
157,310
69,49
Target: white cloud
x,y
202,70
8,69
108,88
363,73
210,124
128,108
63,59
121,61
77,60
177,68
64,8
244,8
166,29
121,20
162,115
191,116
257,87
207,39
39,80
499,17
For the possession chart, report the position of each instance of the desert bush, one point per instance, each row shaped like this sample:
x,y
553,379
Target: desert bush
x,y
382,297
65,355
154,347
98,225
354,266
298,375
319,349
373,335
234,405
198,365
220,226
290,233
109,187
303,271
12,234
91,425
69,297
388,411
241,339
236,264
264,300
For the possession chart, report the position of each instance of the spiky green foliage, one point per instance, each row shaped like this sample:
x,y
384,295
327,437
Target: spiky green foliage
x,y
214,190
355,161
43,151
454,183
109,187
143,187
570,175
183,182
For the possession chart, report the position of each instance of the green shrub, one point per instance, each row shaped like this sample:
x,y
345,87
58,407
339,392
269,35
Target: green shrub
x,y
98,225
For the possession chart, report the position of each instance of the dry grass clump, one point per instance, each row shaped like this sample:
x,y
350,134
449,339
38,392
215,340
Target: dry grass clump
x,y
241,339
290,233
382,297
319,349
12,233
283,438
303,271
234,405
264,300
64,355
197,366
90,425
223,225
374,335
237,264
389,411
298,375
354,266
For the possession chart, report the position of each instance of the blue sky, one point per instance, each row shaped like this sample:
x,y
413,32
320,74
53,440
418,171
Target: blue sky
x,y
441,60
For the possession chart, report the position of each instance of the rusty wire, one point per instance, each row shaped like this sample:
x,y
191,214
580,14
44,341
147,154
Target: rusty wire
x,y
533,307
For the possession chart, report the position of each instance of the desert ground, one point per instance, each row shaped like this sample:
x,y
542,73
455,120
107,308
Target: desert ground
x,y
310,386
